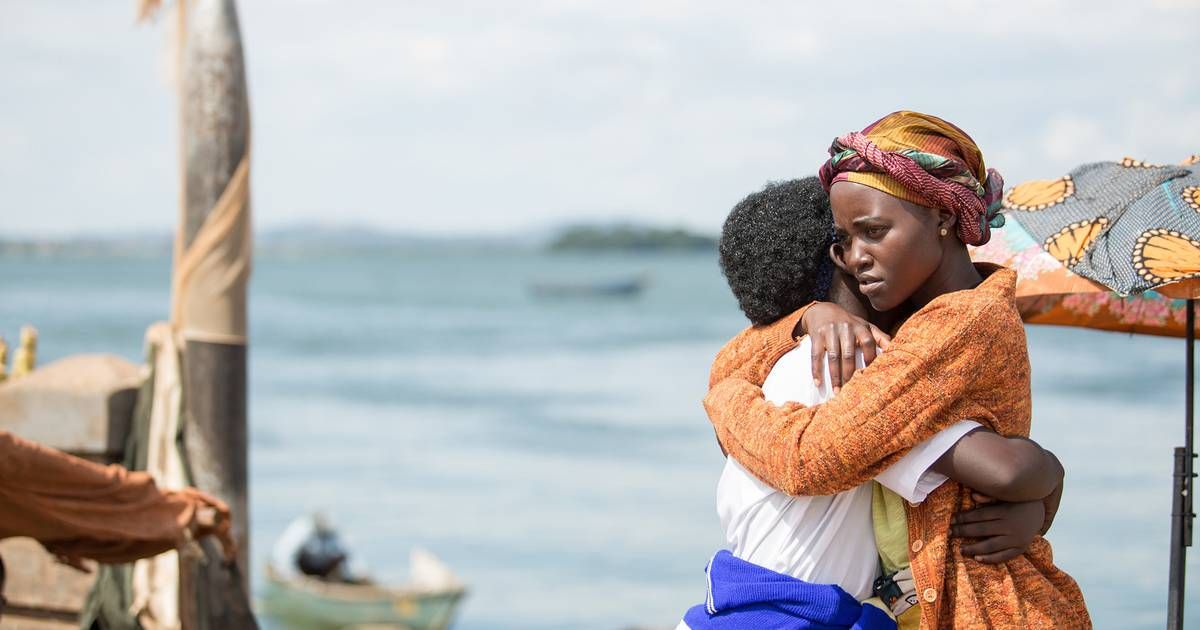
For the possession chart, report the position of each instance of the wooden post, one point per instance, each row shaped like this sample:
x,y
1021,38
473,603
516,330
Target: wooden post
x,y
215,137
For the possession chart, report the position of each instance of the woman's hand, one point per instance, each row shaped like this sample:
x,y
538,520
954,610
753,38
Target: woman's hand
x,y
212,518
835,330
1004,530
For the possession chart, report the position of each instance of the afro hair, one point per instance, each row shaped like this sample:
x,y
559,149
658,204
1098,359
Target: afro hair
x,y
774,249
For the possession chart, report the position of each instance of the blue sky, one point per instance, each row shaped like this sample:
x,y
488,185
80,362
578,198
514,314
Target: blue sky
x,y
489,118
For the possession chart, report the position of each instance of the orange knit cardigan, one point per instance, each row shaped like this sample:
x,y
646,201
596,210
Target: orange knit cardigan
x,y
962,356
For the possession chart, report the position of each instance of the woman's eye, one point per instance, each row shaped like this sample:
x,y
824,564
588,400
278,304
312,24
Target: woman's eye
x,y
876,231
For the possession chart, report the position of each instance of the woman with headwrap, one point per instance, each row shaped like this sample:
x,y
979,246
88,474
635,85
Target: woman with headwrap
x,y
908,194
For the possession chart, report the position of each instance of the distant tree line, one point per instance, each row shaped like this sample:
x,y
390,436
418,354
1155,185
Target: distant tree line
x,y
630,238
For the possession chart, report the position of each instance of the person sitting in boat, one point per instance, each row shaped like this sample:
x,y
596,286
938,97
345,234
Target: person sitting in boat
x,y
311,546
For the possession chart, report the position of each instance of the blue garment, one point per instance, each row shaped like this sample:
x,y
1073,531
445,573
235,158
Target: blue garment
x,y
743,595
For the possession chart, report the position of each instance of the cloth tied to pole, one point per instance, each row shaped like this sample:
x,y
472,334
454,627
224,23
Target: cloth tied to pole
x,y
209,284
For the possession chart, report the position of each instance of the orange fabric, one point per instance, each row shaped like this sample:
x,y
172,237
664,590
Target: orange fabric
x,y
79,509
755,350
1051,294
961,356
889,185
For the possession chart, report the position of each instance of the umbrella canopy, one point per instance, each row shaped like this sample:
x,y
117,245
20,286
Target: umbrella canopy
x,y
1048,292
1113,246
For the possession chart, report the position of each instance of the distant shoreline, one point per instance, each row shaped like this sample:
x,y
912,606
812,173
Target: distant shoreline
x,y
630,238
323,241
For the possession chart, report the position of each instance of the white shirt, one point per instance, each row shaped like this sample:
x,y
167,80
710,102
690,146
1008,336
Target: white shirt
x,y
287,546
825,539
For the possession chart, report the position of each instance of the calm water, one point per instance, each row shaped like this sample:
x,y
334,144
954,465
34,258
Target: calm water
x,y
555,454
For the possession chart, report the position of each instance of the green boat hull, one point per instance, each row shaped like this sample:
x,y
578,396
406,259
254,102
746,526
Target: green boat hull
x,y
308,604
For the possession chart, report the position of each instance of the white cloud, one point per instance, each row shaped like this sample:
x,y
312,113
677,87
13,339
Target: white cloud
x,y
484,116
1175,4
1069,136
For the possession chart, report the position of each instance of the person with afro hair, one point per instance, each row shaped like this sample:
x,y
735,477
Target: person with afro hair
x,y
774,249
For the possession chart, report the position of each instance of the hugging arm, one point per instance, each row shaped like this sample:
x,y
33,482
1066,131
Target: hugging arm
x,y
912,391
753,352
1020,482
1003,530
1009,469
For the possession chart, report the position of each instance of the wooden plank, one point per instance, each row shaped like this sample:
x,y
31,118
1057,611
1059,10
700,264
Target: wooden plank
x,y
82,405
41,592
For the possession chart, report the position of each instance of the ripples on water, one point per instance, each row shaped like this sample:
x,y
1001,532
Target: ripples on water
x,y
555,453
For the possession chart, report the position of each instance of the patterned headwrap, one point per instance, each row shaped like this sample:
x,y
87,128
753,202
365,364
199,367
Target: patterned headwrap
x,y
926,160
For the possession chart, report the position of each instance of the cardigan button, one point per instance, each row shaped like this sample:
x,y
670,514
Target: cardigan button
x,y
917,545
930,595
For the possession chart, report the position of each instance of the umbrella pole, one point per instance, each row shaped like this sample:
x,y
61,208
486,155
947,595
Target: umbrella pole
x,y
1181,500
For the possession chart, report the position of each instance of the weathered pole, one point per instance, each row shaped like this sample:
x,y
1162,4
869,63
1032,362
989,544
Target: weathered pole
x,y
209,310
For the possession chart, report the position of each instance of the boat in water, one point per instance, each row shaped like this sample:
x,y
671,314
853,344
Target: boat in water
x,y
614,288
350,600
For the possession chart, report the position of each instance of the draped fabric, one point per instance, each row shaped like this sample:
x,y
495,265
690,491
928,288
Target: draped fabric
x,y
744,596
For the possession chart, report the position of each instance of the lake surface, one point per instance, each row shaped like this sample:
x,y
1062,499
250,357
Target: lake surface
x,y
555,453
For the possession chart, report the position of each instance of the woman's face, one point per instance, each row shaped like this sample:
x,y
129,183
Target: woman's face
x,y
889,245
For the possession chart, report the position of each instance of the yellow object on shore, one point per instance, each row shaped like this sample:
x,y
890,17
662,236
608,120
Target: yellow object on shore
x,y
3,360
26,356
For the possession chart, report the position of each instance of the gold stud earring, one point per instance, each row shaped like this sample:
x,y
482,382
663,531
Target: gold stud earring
x,y
945,231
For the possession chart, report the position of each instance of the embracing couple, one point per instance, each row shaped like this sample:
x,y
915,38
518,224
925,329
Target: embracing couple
x,y
909,494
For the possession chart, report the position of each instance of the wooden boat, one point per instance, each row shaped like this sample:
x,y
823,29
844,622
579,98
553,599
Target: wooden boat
x,y
619,288
428,602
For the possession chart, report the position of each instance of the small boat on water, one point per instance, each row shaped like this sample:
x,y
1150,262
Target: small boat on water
x,y
614,288
427,601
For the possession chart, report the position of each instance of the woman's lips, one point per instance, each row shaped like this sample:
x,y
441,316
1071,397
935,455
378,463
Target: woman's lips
x,y
869,287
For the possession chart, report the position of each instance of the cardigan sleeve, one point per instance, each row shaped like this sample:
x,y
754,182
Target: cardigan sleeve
x,y
79,508
921,385
751,354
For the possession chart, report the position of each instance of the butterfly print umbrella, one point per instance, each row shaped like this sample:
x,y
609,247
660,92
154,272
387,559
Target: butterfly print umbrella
x,y
1115,246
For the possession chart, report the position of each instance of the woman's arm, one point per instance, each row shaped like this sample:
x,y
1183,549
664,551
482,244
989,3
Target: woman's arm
x,y
751,354
1009,469
915,389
